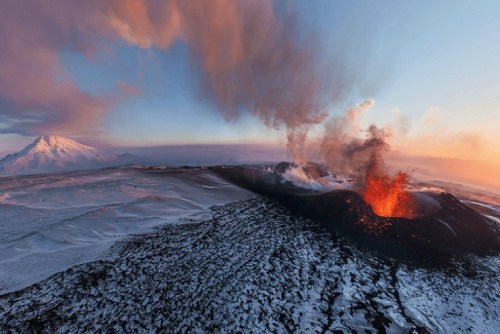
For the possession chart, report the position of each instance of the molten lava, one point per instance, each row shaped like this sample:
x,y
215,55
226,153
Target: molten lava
x,y
388,196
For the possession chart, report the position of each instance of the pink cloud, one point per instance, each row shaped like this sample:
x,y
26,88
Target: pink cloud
x,y
41,97
128,89
248,59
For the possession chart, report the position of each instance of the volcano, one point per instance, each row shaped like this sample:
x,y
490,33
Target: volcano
x,y
441,223
53,153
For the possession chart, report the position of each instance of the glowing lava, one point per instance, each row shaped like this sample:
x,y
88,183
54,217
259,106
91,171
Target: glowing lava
x,y
388,196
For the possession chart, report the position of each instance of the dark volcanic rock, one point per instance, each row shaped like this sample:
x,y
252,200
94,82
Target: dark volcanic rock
x,y
254,268
452,227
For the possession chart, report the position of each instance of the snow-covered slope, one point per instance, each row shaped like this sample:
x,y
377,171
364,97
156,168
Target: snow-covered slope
x,y
254,268
49,222
52,154
219,260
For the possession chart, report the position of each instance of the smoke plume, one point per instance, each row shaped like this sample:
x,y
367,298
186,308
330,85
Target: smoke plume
x,y
346,148
351,151
249,59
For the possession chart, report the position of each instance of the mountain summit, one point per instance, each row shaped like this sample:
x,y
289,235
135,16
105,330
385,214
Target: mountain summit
x,y
52,154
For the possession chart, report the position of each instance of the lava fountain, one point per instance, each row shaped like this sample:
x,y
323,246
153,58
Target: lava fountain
x,y
388,196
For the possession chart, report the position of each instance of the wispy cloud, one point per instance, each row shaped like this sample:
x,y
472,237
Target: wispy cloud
x,y
472,140
401,122
431,116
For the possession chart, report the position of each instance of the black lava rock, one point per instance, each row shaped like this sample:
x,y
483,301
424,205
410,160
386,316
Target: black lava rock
x,y
452,227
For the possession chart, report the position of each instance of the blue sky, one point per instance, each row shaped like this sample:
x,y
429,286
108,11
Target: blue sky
x,y
433,64
422,54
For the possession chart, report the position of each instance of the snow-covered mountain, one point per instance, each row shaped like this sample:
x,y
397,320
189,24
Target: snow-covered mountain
x,y
52,154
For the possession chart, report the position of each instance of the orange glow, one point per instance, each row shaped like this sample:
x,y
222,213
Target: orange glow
x,y
388,196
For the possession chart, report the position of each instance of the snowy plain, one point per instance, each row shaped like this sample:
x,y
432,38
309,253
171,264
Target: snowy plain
x,y
53,221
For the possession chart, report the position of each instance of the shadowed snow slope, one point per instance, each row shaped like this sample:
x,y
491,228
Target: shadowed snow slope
x,y
53,221
52,154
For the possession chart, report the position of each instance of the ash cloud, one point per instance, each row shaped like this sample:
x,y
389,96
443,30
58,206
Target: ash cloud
x,y
249,58
350,150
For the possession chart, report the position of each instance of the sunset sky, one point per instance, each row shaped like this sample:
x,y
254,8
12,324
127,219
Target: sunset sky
x,y
126,74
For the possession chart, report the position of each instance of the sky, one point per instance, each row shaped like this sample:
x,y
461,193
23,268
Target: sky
x,y
130,73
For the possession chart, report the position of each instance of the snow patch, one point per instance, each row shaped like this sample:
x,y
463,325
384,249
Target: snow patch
x,y
448,226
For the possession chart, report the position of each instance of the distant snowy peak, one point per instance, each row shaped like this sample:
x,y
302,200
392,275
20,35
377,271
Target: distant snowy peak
x,y
59,147
52,154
